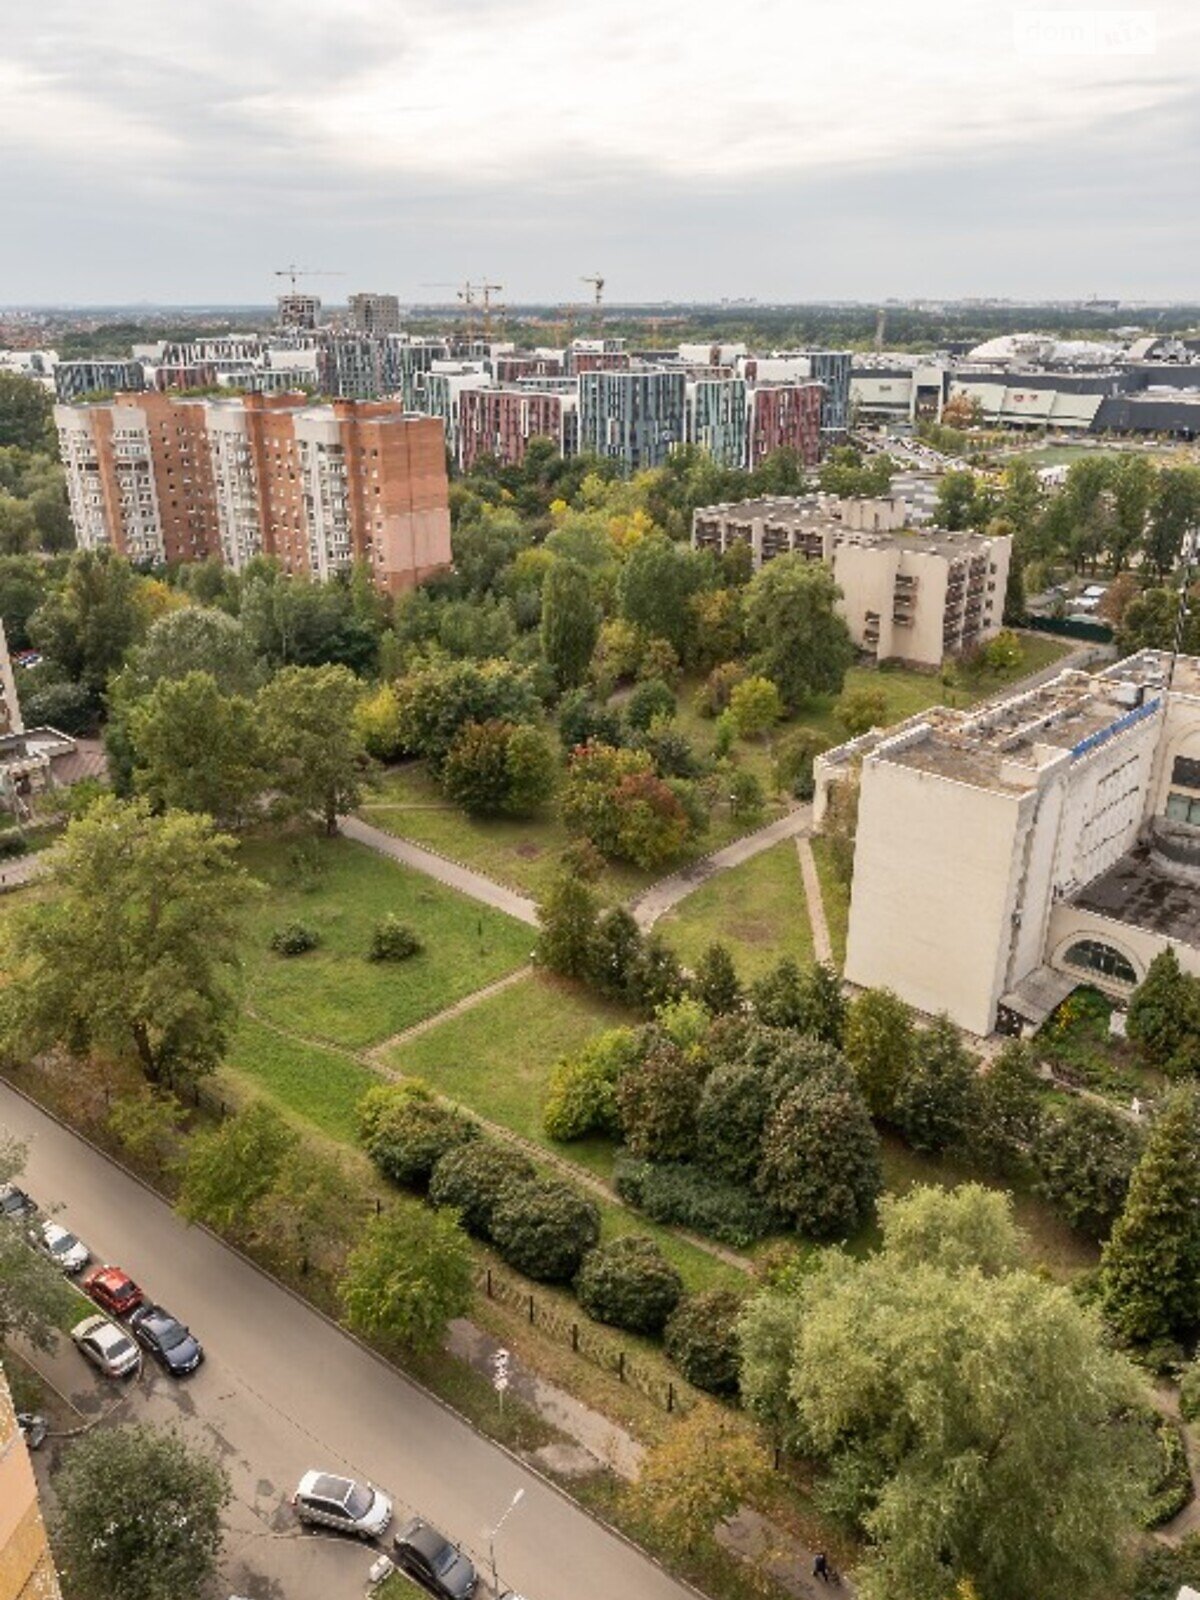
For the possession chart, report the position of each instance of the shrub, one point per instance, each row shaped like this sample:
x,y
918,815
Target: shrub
x,y
1189,1393
294,938
820,1164
746,798
406,1131
658,1098
714,696
701,1338
733,1110
544,1228
583,721
471,1177
1170,1484
582,1096
684,1196
629,1283
1085,1157
935,1099
393,940
648,701
12,843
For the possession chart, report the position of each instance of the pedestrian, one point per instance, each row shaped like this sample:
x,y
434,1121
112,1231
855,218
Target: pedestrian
x,y
1135,1105
821,1566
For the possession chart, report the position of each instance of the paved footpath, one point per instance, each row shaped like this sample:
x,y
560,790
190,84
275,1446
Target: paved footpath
x,y
668,892
473,884
21,870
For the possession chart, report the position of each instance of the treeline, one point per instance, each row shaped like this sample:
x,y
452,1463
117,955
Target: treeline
x,y
33,496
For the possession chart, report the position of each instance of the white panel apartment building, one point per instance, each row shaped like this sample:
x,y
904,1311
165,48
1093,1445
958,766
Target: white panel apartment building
x,y
1008,854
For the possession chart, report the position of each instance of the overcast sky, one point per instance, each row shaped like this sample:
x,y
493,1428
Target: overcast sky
x,y
687,149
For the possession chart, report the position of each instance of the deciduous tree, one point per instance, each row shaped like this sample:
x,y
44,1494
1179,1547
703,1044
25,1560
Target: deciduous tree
x,y
196,749
793,628
314,751
570,622
409,1277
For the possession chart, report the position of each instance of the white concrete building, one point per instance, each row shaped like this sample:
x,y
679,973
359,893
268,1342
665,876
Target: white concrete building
x,y
906,596
1008,854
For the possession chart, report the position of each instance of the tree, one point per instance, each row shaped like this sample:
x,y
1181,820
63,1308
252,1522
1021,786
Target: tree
x,y
701,1339
196,639
969,1417
1150,1269
1164,1017
700,1474
955,502
570,622
655,584
615,954
1174,509
777,998
958,1230
1085,1157
755,706
746,798
629,1283
407,1131
314,751
861,709
137,951
438,698
139,1512
1009,1104
658,1098
1132,490
30,1285
196,749
934,1104
544,1228
311,1213
649,701
716,981
879,1043
475,775
820,1163
613,798
377,720
148,1126
408,1279
91,621
470,1178
734,1106
792,626
532,770
26,413
229,1169
568,917
825,1009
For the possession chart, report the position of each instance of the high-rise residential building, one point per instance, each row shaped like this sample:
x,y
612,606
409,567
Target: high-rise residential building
x,y
783,416
74,379
1005,856
717,416
831,368
501,422
297,309
350,366
375,313
159,478
634,417
26,1564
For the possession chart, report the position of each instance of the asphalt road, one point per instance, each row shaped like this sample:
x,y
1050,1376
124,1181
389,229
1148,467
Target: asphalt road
x,y
282,1390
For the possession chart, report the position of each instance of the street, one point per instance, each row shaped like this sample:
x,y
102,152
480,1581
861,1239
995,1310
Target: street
x,y
282,1390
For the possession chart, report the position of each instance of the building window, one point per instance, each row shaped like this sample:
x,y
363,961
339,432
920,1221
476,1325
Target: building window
x,y
1186,771
1093,956
1183,808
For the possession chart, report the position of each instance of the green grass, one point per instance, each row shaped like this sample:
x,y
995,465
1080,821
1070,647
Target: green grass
x,y
835,897
758,911
334,993
321,1086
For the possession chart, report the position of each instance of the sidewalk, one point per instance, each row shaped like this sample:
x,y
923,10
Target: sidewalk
x,y
473,884
660,897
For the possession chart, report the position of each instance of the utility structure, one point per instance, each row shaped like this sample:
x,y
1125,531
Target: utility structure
x,y
487,290
597,283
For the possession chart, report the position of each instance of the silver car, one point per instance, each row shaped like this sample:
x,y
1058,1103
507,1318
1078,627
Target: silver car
x,y
109,1348
335,1502
63,1248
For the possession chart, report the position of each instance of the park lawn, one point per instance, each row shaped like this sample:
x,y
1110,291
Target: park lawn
x,y
835,896
496,1057
334,993
758,911
321,1087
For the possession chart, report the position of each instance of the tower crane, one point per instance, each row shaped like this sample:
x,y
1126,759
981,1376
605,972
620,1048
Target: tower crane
x,y
293,272
597,283
487,290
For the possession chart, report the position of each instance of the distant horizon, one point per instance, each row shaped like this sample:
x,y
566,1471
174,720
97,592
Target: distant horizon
x,y
1099,303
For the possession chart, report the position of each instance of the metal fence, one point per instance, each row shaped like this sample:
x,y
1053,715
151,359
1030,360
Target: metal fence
x,y
586,1340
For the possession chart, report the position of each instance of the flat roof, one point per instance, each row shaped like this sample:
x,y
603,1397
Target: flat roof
x,y
1138,892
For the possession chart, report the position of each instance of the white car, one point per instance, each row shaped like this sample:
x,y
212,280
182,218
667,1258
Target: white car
x,y
109,1348
63,1248
335,1502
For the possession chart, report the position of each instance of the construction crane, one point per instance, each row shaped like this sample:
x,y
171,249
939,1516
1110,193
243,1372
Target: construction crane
x,y
597,283
293,272
487,290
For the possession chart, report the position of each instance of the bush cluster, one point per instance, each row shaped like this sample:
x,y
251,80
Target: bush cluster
x,y
544,1228
471,1178
629,1283
393,940
294,939
407,1131
685,1196
701,1338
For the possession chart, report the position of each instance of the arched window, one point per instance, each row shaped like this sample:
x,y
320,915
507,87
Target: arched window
x,y
1094,956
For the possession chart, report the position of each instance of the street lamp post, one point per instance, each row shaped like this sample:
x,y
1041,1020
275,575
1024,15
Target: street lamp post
x,y
509,1509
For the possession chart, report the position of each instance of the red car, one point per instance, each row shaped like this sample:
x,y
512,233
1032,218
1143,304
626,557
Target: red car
x,y
114,1290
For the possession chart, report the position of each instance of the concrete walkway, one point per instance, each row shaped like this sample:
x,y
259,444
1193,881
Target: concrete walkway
x,y
822,943
464,879
659,898
375,1055
15,874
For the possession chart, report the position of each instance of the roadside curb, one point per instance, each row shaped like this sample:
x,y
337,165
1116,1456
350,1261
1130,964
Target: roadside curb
x,y
380,1360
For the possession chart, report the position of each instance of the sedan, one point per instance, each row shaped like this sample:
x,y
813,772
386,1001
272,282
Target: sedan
x,y
113,1291
107,1347
15,1204
436,1564
63,1248
172,1345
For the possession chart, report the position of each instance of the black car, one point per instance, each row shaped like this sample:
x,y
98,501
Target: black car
x,y
433,1561
15,1204
172,1345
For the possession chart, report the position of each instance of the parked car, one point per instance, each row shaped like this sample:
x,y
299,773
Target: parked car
x,y
15,1204
333,1502
114,1291
63,1248
435,1563
108,1347
173,1346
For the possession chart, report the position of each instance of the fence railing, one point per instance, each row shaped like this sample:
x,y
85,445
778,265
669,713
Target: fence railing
x,y
586,1340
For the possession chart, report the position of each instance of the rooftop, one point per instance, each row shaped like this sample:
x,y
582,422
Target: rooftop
x,y
1140,892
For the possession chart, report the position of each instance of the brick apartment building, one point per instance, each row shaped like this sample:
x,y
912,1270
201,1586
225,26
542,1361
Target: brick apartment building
x,y
501,422
162,479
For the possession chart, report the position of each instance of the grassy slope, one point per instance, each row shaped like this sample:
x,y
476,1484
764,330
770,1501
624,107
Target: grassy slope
x,y
334,993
